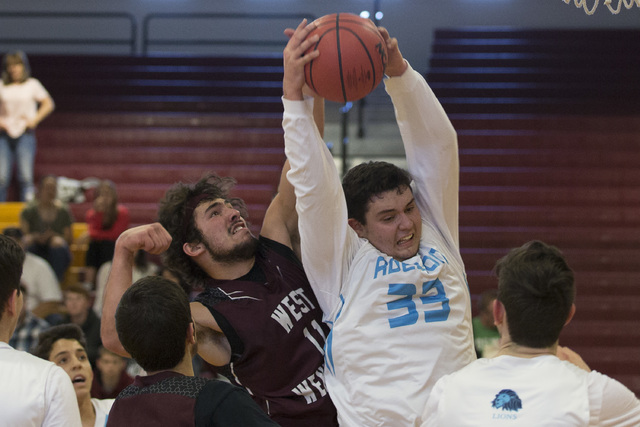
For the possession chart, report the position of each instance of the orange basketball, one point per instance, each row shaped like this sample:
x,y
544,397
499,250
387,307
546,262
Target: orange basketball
x,y
352,59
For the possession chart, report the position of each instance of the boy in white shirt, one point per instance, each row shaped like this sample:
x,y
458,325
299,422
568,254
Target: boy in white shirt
x,y
527,383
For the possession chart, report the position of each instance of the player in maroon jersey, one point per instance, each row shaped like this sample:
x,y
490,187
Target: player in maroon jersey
x,y
257,311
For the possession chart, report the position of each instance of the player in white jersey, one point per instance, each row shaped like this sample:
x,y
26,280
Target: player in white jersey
x,y
385,263
527,384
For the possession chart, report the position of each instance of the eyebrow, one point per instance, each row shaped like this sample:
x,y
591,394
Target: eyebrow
x,y
213,205
388,211
61,353
65,352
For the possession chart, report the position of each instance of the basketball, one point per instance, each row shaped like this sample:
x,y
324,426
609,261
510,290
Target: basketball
x,y
352,59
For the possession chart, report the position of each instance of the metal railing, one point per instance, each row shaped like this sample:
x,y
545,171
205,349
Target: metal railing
x,y
51,33
184,39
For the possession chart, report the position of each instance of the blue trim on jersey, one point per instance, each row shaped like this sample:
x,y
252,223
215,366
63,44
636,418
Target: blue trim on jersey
x,y
328,354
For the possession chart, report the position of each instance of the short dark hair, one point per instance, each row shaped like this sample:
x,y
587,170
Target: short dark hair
x,y
536,287
176,216
48,337
152,320
11,261
14,232
366,180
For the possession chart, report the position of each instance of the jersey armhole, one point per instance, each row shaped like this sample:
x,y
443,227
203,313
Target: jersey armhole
x,y
237,346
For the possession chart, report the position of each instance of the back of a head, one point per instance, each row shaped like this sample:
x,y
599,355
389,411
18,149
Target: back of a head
x,y
50,336
176,216
536,287
366,180
152,320
13,232
11,261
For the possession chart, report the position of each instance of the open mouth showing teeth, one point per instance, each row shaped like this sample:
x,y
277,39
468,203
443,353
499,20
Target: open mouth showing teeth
x,y
405,239
238,228
77,380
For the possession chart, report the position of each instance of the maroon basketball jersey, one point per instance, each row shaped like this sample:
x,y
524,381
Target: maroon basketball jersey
x,y
274,324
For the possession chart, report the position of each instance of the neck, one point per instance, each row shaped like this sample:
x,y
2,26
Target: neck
x,y
87,413
6,327
46,203
109,383
79,319
185,367
512,349
228,271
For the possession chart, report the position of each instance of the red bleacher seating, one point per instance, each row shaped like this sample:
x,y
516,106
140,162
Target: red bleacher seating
x,y
548,124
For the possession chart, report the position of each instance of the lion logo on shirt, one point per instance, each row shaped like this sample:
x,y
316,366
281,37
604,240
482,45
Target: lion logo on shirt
x,y
507,400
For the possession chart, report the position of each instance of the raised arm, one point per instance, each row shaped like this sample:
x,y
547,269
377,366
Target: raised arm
x,y
429,139
324,232
281,219
152,238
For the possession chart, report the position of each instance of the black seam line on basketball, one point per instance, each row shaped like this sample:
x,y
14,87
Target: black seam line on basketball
x,y
313,85
373,67
344,90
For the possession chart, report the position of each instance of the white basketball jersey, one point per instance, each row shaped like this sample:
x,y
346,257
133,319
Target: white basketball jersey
x,y
401,327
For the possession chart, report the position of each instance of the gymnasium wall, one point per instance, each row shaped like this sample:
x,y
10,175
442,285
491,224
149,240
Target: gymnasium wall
x,y
412,21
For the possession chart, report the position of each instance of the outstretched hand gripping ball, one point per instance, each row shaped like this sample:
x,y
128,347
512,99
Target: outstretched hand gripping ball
x,y
352,59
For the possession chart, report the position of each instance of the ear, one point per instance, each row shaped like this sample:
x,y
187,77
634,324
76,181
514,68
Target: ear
x,y
499,312
12,304
193,249
357,227
191,333
571,313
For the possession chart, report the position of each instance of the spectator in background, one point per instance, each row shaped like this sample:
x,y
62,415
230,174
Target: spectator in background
x,y
33,392
77,301
142,267
28,328
110,376
46,225
105,220
485,334
43,296
24,103
531,382
65,346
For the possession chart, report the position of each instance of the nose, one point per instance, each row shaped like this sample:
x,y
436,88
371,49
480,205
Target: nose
x,y
234,214
75,362
405,222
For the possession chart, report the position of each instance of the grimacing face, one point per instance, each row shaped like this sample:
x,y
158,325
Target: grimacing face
x,y
226,234
394,225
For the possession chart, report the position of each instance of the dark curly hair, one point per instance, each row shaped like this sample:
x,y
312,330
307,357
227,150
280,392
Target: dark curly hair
x,y
366,180
176,216
48,337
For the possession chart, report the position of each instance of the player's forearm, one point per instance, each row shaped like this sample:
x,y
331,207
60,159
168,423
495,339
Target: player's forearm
x,y
120,279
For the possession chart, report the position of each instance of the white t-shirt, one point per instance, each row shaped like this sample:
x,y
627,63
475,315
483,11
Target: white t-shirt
x,y
540,391
40,280
396,327
19,104
102,407
35,392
